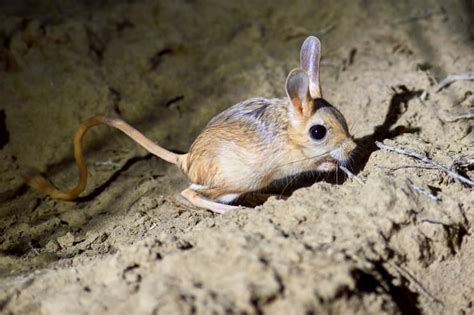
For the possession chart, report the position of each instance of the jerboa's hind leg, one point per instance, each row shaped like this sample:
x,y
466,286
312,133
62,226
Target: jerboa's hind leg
x,y
199,201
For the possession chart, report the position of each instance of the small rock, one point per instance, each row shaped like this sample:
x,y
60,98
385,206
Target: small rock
x,y
66,241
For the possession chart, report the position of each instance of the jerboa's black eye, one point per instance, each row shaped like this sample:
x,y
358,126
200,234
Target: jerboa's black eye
x,y
317,132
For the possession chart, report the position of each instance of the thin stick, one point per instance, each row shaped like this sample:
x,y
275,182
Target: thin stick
x,y
463,161
351,175
468,76
423,191
407,275
396,168
423,159
469,115
415,187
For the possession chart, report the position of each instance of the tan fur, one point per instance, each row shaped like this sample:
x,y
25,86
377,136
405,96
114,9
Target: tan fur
x,y
224,158
232,156
338,134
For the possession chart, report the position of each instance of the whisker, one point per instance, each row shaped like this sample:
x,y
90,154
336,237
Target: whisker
x,y
305,159
355,134
292,178
354,124
351,175
349,163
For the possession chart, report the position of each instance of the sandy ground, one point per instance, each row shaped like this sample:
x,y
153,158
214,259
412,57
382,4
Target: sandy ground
x,y
132,245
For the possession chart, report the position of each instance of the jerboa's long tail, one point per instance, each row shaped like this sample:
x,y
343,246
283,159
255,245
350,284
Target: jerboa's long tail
x,y
42,184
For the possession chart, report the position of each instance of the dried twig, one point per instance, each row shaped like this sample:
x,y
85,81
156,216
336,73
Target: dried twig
x,y
469,115
463,161
426,161
423,191
396,168
415,187
407,275
468,76
351,175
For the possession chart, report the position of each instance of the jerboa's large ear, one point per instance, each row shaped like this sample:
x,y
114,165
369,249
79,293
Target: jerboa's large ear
x,y
310,57
297,89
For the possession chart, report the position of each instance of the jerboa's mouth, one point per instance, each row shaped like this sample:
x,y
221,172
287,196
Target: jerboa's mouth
x,y
326,164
